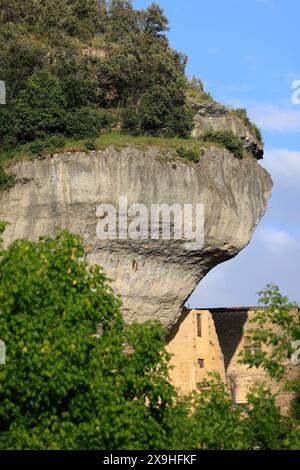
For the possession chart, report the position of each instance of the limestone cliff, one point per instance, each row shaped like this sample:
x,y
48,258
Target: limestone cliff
x,y
154,277
212,116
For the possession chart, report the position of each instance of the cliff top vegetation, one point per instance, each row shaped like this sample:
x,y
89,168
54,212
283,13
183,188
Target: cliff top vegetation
x,y
75,69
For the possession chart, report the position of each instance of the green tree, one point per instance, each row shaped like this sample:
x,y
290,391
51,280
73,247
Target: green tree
x,y
277,329
214,424
121,19
20,56
40,107
157,103
153,20
86,122
75,377
277,326
264,425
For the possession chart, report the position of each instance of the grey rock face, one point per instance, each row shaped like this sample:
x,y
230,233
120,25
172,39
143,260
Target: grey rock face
x,y
154,277
213,116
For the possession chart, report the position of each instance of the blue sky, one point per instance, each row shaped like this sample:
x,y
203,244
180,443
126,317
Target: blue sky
x,y
246,52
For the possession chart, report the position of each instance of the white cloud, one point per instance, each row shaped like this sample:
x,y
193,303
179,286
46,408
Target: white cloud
x,y
268,116
275,118
284,166
273,256
276,241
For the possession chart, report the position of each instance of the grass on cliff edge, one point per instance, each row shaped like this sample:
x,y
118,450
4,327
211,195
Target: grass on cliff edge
x,y
117,139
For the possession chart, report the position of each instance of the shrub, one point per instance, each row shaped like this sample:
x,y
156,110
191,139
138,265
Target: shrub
x,y
265,427
86,122
90,145
189,154
40,107
63,385
242,114
228,139
39,147
76,377
8,138
6,181
196,93
155,113
62,85
214,424
57,141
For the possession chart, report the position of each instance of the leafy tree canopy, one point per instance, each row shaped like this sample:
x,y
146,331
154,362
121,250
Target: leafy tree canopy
x,y
76,377
70,54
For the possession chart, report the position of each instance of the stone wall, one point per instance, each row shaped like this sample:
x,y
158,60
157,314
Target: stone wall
x,y
189,349
224,336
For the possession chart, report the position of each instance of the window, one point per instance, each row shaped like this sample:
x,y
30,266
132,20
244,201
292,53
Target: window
x,y
201,363
250,345
247,343
199,325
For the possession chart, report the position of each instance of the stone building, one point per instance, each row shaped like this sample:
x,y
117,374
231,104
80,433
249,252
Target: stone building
x,y
212,340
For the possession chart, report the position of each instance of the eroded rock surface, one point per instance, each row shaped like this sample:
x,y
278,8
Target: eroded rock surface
x,y
154,277
212,116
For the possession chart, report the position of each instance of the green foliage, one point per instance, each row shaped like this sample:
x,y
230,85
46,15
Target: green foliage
x,y
86,122
227,139
76,377
124,20
6,181
277,325
265,427
214,424
195,91
20,56
189,154
157,103
63,385
276,328
40,107
65,61
91,145
152,116
40,147
242,114
74,17
154,22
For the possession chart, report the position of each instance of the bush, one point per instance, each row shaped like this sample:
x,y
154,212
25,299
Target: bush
x,y
90,145
86,122
63,385
39,147
189,154
8,138
76,377
155,113
214,424
242,114
73,87
265,427
228,139
40,107
57,141
6,181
